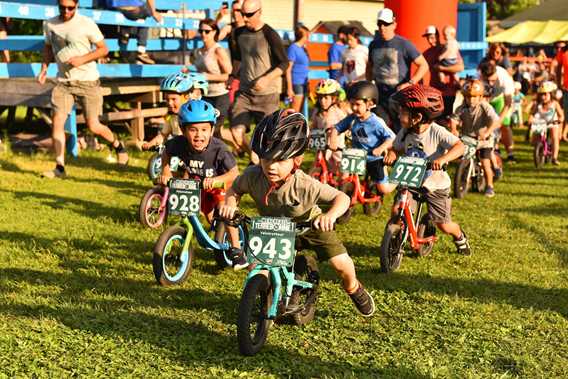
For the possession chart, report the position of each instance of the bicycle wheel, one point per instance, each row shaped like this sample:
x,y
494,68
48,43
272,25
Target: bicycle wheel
x,y
462,180
304,299
149,209
538,154
371,209
252,323
222,236
171,264
391,248
426,228
154,167
348,189
480,183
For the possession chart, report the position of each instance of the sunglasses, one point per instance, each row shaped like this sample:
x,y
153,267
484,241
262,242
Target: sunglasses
x,y
206,31
382,23
64,8
250,14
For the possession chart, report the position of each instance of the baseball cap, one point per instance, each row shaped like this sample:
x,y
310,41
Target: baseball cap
x,y
385,15
430,29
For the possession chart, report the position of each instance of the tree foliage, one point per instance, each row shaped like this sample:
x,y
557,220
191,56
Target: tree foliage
x,y
500,9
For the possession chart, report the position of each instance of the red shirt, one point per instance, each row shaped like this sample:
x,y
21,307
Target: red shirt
x,y
562,59
449,86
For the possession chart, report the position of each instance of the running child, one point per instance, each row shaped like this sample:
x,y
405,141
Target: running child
x,y
476,118
326,114
368,131
177,88
548,109
205,156
421,137
280,188
518,102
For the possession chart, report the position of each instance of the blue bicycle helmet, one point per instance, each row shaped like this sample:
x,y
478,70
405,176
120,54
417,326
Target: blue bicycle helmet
x,y
195,111
182,82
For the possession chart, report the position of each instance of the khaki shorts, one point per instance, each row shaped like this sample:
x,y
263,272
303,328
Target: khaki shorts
x,y
326,244
247,106
88,93
439,206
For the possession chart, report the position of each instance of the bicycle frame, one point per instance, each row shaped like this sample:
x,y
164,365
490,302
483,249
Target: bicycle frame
x,y
359,189
276,275
405,214
326,177
192,224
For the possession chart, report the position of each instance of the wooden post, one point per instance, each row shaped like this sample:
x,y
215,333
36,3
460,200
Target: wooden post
x,y
298,14
137,124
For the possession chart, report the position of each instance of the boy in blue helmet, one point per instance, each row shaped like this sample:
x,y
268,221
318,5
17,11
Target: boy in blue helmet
x,y
177,88
205,156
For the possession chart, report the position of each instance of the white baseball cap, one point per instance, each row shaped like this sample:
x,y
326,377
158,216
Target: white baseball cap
x,y
385,15
430,29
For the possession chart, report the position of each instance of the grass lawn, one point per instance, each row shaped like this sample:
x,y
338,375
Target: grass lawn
x,y
78,296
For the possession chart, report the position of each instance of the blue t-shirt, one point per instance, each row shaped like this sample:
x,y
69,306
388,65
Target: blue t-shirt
x,y
391,63
299,57
334,56
366,135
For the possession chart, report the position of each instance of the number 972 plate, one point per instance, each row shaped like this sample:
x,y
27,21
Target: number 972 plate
x,y
271,241
184,197
409,171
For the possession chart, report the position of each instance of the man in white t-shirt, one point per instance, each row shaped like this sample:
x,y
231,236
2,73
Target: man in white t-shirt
x,y
68,39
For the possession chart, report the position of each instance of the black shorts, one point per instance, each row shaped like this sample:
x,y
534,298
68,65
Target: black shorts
x,y
485,153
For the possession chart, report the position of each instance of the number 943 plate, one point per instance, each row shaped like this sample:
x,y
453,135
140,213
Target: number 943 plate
x,y
271,241
184,197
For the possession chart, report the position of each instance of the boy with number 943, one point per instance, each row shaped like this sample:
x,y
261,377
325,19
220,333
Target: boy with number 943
x,y
280,189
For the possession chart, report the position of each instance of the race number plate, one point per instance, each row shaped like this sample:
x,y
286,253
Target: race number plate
x,y
409,171
538,127
318,140
272,241
354,161
470,147
185,197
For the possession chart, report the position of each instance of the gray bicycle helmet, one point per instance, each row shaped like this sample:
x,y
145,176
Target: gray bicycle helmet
x,y
363,90
280,136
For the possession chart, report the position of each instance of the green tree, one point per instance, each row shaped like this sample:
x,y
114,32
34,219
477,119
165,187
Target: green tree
x,y
500,9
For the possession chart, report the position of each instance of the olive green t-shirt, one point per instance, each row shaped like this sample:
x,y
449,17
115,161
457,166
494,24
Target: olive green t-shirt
x,y
297,198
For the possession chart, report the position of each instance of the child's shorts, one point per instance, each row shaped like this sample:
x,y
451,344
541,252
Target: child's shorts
x,y
211,199
376,171
439,205
449,61
326,244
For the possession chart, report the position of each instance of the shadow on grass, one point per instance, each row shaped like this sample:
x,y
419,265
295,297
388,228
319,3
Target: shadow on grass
x,y
100,164
480,290
10,166
193,343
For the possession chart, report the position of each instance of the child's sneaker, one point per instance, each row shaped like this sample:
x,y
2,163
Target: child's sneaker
x,y
497,173
239,259
489,192
462,244
121,154
363,301
55,173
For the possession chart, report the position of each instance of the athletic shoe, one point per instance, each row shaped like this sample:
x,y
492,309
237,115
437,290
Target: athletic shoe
x,y
55,173
489,192
239,259
121,154
555,162
144,58
462,245
498,173
363,301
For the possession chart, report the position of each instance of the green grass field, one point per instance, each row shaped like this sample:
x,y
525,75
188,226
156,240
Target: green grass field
x,y
78,297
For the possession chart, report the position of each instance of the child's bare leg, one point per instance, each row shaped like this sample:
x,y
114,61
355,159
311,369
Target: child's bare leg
x,y
450,228
343,265
488,171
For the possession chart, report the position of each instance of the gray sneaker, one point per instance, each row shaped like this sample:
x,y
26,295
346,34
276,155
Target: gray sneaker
x,y
363,301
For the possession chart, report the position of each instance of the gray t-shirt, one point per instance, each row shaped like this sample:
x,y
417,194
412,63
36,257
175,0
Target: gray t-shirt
x,y
70,39
297,198
431,145
259,52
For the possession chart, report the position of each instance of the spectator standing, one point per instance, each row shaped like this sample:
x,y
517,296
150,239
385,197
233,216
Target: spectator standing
x,y
229,31
354,58
561,71
262,58
335,51
390,59
68,39
213,61
498,52
298,68
443,78
135,10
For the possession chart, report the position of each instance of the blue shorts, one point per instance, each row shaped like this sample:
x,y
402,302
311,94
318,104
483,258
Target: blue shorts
x,y
376,171
300,89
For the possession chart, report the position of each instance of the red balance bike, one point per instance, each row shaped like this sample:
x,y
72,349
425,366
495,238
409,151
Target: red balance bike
x,y
354,164
409,173
320,170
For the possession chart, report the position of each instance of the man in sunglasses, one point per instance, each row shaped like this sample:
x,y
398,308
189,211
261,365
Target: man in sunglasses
x,y
390,59
263,61
68,41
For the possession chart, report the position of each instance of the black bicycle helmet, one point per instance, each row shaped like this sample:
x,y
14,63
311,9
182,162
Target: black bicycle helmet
x,y
280,136
363,90
420,98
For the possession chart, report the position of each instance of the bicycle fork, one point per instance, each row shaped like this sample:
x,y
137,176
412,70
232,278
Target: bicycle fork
x,y
415,241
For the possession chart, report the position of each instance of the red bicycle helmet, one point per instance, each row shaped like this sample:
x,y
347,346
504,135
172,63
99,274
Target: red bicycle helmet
x,y
420,98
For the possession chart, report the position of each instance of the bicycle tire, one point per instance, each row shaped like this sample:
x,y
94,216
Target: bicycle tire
x,y
426,228
305,269
480,182
371,209
348,189
172,238
154,166
462,181
256,296
391,248
538,154
222,236
148,211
